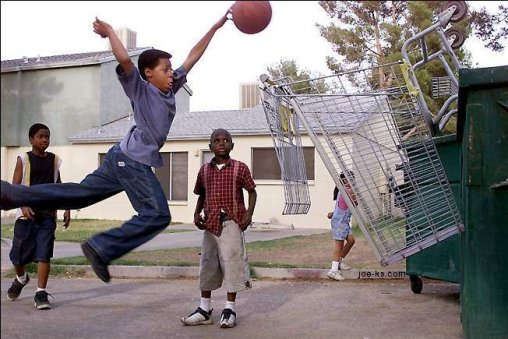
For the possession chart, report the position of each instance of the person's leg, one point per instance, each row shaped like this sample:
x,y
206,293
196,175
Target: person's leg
x,y
350,241
21,253
20,270
42,274
44,241
95,187
205,302
234,260
228,316
338,247
210,278
148,199
334,272
338,244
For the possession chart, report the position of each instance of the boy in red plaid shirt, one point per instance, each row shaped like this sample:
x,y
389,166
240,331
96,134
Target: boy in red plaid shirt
x,y
220,185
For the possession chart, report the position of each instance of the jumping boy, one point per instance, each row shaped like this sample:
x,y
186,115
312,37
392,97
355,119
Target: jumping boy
x,y
34,229
128,165
220,184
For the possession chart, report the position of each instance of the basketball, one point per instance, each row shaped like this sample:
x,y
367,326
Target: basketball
x,y
251,17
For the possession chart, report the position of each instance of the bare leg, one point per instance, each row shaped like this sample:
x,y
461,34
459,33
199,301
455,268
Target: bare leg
x,y
337,249
350,241
20,270
42,274
206,294
232,296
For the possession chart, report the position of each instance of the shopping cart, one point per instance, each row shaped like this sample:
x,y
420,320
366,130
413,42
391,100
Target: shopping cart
x,y
367,121
375,122
449,38
286,133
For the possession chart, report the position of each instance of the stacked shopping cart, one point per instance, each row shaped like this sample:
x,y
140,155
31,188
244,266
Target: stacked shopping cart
x,y
375,123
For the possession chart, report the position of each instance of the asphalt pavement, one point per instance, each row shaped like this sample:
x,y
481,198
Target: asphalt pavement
x,y
152,308
148,302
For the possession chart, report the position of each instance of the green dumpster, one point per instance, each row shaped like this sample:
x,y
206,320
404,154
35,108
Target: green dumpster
x,y
483,118
442,260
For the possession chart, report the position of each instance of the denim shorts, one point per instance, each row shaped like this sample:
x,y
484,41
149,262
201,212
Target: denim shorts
x,y
33,240
341,227
224,258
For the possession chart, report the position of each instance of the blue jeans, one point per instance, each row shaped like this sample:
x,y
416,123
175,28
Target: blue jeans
x,y
116,174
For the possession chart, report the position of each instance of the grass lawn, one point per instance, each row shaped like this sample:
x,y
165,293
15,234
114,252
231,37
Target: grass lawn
x,y
81,229
311,251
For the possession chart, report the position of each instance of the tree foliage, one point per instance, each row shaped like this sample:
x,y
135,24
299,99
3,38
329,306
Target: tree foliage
x,y
370,33
305,81
491,28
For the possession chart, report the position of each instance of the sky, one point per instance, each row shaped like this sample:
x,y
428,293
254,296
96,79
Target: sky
x,y
46,28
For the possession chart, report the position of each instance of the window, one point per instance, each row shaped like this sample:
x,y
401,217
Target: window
x,y
206,156
266,166
173,175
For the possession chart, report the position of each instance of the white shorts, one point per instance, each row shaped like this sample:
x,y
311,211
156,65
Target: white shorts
x,y
224,258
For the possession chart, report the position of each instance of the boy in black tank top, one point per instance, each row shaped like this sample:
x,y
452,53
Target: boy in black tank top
x,y
34,230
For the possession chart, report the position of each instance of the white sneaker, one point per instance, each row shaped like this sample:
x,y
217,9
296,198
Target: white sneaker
x,y
344,266
335,275
228,318
199,317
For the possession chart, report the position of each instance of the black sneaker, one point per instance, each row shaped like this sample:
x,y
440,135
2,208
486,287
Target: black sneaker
x,y
228,318
15,290
98,265
41,301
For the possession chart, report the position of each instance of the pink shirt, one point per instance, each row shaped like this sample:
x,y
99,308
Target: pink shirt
x,y
342,203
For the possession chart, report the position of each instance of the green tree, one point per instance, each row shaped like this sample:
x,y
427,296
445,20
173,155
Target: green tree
x,y
491,28
370,33
304,81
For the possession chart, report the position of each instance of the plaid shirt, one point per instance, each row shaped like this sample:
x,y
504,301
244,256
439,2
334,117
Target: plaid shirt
x,y
223,190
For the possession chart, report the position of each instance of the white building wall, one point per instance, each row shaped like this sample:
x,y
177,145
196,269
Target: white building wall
x,y
82,159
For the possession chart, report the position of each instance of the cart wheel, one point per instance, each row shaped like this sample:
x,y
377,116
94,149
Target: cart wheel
x,y
456,35
460,11
416,284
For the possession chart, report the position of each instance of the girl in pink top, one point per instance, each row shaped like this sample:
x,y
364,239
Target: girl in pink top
x,y
341,229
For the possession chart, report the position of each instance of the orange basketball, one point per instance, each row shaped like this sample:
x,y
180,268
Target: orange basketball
x,y
251,17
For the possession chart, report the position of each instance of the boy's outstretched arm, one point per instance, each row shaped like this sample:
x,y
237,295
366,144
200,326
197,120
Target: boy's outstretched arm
x,y
198,50
106,31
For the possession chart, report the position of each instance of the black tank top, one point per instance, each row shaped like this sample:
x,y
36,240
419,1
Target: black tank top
x,y
42,171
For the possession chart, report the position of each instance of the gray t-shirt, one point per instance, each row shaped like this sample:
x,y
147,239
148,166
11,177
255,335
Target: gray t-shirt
x,y
153,115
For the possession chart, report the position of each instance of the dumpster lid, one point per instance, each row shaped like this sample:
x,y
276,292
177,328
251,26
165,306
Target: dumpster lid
x,y
470,79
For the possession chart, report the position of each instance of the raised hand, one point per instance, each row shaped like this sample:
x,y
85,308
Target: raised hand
x,y
102,28
223,19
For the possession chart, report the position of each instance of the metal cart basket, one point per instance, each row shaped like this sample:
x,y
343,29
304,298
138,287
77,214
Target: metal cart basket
x,y
367,121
